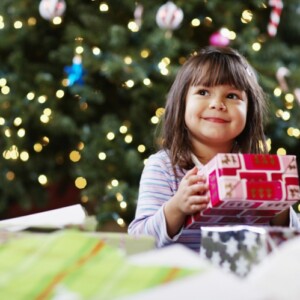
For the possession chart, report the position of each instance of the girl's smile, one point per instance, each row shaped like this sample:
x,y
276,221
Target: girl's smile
x,y
215,115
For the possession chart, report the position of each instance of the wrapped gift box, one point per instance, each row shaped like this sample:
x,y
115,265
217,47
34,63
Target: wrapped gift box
x,y
248,189
239,248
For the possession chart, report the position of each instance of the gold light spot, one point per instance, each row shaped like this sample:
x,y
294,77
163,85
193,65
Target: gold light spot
x,y
42,179
10,175
80,182
75,156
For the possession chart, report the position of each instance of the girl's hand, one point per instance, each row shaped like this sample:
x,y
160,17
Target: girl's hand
x,y
192,195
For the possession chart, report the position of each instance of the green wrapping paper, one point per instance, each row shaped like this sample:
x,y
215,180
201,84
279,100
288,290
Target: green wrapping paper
x,y
72,264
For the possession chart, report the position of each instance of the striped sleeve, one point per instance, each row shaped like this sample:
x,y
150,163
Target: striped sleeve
x,y
157,185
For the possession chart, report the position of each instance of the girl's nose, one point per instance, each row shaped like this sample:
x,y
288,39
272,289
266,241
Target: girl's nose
x,y
217,104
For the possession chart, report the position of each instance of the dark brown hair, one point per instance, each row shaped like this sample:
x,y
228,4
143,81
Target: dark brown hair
x,y
210,67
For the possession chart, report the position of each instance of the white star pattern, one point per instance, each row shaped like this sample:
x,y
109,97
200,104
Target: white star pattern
x,y
242,266
232,246
261,252
216,259
250,240
226,266
215,237
203,253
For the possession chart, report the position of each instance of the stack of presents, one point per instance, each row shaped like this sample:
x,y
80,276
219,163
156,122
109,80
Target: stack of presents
x,y
246,191
76,263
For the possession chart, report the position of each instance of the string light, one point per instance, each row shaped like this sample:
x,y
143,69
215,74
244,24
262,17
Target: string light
x,y
281,151
256,46
154,120
129,83
123,129
3,81
42,179
128,60
7,132
102,156
31,21
96,51
5,90
60,94
42,99
37,147
133,26
30,96
11,153
44,119
21,132
247,16
119,197
84,199
121,222
24,156
208,21
57,20
145,53
110,136
147,82
128,138
285,116
195,22
289,98
2,25
45,141
75,156
18,24
114,182
17,121
10,176
141,148
277,92
123,205
80,182
103,7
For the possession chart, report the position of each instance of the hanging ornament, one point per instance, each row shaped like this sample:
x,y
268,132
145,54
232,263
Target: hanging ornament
x,y
169,16
281,74
138,13
75,72
219,39
49,9
297,94
277,6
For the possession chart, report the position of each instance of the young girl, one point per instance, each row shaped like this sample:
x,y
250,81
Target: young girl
x,y
215,105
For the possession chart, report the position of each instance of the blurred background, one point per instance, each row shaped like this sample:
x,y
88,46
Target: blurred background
x,y
83,85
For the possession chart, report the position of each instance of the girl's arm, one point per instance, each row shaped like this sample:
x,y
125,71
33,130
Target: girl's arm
x,y
161,209
157,185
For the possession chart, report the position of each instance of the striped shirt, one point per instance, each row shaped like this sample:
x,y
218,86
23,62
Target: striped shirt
x,y
158,184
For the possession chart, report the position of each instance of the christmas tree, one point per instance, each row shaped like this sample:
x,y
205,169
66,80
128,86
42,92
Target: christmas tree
x,y
83,85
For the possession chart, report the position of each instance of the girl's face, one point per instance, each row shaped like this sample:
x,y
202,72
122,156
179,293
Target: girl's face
x,y
215,116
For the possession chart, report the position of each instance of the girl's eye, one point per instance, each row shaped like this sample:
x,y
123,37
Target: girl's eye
x,y
233,96
203,92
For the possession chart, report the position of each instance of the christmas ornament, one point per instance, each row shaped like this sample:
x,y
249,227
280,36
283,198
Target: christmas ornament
x,y
50,9
281,73
218,39
75,72
138,13
277,6
297,95
169,16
